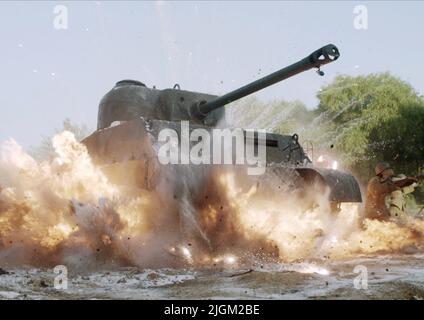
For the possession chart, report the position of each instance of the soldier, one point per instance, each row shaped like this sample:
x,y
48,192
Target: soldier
x,y
397,200
381,186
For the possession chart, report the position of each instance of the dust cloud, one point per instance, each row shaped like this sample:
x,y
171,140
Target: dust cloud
x,y
66,211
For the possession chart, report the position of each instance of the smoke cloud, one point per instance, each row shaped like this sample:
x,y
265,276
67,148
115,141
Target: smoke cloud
x,y
66,211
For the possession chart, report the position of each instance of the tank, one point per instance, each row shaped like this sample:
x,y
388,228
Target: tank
x,y
131,116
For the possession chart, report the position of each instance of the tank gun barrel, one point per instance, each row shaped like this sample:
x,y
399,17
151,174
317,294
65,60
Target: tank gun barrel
x,y
318,58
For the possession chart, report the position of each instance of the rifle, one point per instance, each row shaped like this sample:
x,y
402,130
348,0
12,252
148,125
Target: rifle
x,y
408,181
420,177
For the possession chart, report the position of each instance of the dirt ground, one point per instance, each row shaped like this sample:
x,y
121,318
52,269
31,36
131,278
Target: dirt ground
x,y
388,277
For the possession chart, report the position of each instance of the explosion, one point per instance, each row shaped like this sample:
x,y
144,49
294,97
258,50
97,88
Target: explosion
x,y
66,211
319,233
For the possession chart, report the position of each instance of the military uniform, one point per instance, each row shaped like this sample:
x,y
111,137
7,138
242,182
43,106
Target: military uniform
x,y
377,191
385,193
396,202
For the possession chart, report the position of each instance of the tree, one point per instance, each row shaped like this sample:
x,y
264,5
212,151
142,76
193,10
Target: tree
x,y
374,118
45,150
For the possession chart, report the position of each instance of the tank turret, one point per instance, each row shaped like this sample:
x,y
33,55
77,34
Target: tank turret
x,y
131,99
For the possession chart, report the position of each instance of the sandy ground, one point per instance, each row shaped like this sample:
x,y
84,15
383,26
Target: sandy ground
x,y
389,277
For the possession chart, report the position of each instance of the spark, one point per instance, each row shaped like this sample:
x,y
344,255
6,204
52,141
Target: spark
x,y
66,229
230,259
334,240
186,253
314,269
322,271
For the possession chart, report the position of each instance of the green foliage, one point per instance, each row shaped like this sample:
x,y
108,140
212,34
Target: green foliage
x,y
375,118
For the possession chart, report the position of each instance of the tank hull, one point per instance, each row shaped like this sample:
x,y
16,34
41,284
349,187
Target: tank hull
x,y
128,154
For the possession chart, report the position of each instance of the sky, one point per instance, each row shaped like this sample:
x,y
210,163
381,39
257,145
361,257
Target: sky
x,y
49,74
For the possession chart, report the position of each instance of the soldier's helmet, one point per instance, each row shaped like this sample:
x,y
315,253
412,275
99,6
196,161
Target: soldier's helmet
x,y
381,167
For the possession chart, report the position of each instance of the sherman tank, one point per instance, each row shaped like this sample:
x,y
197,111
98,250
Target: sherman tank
x,y
132,115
